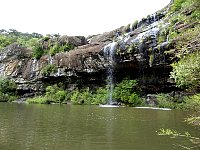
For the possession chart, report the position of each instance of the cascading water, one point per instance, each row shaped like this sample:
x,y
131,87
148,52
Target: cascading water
x,y
109,52
131,27
50,60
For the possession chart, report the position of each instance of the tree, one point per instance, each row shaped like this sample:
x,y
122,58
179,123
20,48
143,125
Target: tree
x,y
186,71
37,51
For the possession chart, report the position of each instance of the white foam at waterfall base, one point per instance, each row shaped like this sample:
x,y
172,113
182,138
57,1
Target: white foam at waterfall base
x,y
108,106
154,108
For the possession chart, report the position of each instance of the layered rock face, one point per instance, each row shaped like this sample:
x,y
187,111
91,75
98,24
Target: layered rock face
x,y
137,54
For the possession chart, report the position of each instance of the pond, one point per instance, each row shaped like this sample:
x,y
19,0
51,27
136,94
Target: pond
x,y
75,127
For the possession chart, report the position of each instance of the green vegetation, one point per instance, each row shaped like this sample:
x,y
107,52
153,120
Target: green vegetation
x,y
192,102
184,4
4,41
177,5
186,71
183,31
7,90
177,102
48,69
38,100
60,48
14,36
175,134
162,37
37,51
166,101
194,120
127,92
85,96
53,94
40,45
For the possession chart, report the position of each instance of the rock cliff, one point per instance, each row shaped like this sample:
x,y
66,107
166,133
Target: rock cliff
x,y
142,50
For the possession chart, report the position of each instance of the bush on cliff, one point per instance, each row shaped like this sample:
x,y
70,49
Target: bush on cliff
x,y
5,41
37,51
57,48
11,36
186,71
48,69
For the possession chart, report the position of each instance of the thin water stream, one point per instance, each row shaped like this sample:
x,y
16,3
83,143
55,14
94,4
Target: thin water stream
x,y
109,51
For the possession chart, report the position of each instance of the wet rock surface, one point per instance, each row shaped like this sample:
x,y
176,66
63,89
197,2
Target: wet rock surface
x,y
137,54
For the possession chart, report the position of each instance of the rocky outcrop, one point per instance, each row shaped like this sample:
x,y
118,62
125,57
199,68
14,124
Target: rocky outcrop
x,y
137,54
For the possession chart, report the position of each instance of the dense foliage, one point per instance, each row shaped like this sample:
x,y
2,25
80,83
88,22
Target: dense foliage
x,y
40,45
186,71
125,92
14,36
7,90
48,69
53,94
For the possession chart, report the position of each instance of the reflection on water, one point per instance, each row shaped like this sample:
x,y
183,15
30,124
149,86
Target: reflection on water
x,y
68,127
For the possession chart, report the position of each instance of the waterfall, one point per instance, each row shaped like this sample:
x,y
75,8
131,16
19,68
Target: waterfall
x,y
34,64
154,17
109,52
131,27
50,60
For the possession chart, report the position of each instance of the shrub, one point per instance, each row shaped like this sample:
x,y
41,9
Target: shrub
x,y
101,96
60,96
86,96
186,71
68,47
55,49
165,101
192,102
5,41
55,94
127,92
38,100
6,85
177,5
48,69
7,97
61,48
37,51
7,90
82,97
135,99
74,97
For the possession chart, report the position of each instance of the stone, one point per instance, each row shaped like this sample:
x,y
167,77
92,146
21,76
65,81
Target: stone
x,y
137,54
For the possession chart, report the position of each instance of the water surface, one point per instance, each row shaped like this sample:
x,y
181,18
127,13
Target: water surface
x,y
71,127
